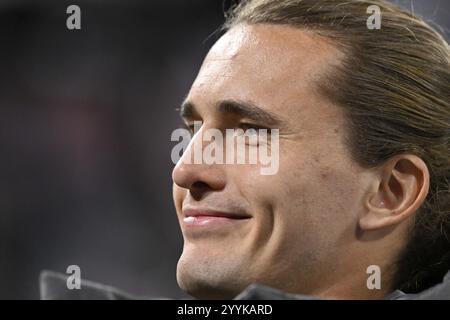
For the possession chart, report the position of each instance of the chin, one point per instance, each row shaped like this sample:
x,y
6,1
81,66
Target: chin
x,y
206,281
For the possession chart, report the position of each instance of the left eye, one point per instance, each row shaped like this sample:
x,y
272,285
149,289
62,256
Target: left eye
x,y
247,126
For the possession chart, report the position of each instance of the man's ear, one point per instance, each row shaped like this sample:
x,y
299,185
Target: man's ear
x,y
400,190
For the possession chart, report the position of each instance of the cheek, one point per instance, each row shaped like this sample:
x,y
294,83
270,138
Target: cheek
x,y
315,188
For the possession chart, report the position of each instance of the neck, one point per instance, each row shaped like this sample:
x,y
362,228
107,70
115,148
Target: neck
x,y
352,287
352,279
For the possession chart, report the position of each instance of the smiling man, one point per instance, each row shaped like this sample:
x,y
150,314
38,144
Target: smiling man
x,y
363,118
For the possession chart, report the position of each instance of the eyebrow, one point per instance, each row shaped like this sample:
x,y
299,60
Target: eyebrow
x,y
235,107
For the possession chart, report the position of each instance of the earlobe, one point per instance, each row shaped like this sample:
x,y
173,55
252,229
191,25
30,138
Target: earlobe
x,y
401,188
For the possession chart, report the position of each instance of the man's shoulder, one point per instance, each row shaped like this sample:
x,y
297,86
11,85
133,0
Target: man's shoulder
x,y
53,286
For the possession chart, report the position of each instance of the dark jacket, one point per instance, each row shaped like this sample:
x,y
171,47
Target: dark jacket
x,y
53,286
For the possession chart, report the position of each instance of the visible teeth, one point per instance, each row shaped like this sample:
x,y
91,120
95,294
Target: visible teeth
x,y
189,219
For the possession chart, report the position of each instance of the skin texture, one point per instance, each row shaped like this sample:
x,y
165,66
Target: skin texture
x,y
317,224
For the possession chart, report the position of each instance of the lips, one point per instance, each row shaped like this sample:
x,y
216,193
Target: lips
x,y
210,218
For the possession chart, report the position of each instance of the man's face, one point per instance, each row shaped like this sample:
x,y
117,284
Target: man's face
x,y
290,230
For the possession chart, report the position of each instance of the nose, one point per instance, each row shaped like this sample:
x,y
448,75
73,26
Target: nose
x,y
199,178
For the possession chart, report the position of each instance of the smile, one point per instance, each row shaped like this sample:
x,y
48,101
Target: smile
x,y
200,218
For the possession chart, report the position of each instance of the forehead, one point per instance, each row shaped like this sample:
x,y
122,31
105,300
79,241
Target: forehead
x,y
273,66
275,51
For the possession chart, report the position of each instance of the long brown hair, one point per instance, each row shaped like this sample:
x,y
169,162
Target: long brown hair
x,y
394,87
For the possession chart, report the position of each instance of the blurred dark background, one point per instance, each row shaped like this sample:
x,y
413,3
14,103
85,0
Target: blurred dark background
x,y
85,124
